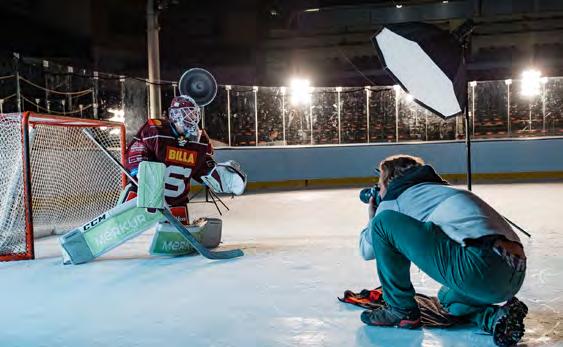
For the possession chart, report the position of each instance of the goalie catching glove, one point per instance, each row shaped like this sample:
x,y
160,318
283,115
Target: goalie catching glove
x,y
226,178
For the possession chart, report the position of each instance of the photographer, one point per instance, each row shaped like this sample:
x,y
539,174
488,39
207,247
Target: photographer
x,y
454,237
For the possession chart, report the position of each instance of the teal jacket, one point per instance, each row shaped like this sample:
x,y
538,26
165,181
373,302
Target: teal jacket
x,y
422,194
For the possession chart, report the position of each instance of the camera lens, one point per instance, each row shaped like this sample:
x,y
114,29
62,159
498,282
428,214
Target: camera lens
x,y
365,195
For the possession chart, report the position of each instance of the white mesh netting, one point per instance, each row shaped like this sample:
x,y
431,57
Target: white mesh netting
x,y
12,214
72,180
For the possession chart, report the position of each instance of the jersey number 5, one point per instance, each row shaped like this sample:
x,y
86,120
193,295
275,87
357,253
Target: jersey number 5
x,y
178,183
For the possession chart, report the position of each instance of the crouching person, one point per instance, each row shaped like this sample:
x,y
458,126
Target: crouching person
x,y
454,237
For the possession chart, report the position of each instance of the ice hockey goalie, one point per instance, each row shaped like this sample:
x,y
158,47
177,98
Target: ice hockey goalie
x,y
187,153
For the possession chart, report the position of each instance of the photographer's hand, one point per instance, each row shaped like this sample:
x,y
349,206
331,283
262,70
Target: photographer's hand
x,y
371,208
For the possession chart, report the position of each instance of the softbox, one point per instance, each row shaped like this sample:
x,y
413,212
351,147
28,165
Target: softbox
x,y
427,63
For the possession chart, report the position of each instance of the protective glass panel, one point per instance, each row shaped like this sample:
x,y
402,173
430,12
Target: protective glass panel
x,y
526,111
298,124
382,115
216,122
554,106
353,115
243,116
325,116
491,113
271,104
413,119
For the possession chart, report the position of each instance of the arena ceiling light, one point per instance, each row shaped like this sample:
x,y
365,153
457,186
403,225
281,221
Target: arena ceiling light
x,y
300,91
427,63
531,80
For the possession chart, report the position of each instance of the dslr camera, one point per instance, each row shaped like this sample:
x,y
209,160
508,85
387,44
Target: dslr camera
x,y
370,192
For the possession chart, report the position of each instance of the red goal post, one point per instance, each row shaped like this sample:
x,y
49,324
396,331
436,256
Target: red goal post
x,y
52,177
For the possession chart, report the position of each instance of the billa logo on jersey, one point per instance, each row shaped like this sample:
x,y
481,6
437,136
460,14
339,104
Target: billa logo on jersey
x,y
181,156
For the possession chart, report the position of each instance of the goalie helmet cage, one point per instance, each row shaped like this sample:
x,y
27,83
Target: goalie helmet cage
x,y
52,177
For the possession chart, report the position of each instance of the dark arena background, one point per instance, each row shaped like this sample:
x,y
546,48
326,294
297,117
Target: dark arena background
x,y
308,106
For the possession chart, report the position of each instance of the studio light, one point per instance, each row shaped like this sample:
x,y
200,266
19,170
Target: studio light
x,y
426,62
508,82
118,116
530,82
300,91
472,83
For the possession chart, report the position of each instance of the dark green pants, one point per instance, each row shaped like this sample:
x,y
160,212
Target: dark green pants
x,y
473,279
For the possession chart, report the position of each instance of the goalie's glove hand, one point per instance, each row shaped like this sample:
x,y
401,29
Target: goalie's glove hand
x,y
226,178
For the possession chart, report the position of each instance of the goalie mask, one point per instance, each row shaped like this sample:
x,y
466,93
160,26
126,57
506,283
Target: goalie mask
x,y
184,113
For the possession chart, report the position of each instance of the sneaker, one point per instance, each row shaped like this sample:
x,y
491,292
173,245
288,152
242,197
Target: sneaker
x,y
387,316
508,325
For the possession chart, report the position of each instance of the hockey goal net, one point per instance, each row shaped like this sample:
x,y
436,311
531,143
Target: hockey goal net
x,y
52,177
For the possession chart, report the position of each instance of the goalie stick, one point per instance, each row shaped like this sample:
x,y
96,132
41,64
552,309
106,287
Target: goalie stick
x,y
166,212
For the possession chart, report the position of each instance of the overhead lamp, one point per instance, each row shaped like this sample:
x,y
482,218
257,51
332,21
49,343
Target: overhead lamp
x,y
300,91
530,82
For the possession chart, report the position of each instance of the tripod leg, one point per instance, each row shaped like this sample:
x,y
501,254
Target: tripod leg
x,y
517,227
216,206
213,194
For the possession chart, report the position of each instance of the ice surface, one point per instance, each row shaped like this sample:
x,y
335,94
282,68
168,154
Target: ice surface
x,y
301,253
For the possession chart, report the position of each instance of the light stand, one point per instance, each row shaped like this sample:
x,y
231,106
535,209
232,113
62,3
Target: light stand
x,y
462,34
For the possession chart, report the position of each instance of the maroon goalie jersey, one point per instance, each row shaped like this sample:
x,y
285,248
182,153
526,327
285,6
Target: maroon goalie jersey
x,y
158,141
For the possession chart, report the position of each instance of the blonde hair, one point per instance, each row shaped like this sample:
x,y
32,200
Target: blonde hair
x,y
396,165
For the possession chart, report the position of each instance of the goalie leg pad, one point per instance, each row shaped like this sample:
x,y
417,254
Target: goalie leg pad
x,y
75,248
170,242
151,184
106,232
